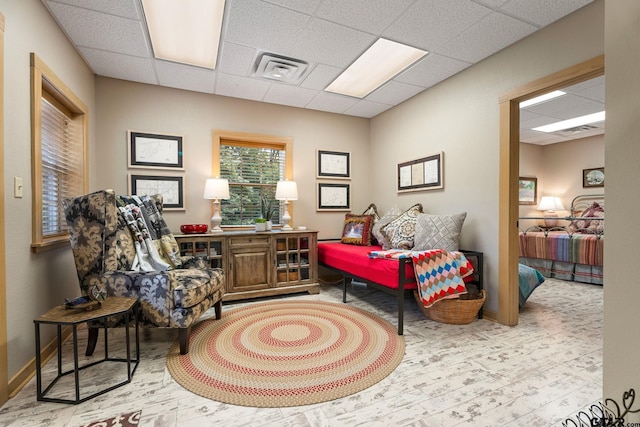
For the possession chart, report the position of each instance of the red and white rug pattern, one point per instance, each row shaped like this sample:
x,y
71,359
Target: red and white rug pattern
x,y
287,353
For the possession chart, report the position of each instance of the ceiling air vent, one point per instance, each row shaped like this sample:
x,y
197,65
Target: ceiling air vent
x,y
577,129
275,67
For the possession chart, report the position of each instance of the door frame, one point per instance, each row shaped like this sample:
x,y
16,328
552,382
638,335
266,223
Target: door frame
x,y
508,211
4,365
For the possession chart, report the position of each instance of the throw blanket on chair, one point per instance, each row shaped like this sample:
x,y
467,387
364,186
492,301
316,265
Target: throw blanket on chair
x,y
440,274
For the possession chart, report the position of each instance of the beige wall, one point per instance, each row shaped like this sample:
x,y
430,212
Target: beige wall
x,y
460,117
622,151
35,282
124,105
558,168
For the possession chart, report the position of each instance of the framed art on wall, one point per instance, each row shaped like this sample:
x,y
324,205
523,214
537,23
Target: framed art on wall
x,y
147,150
593,177
334,164
333,197
171,188
422,174
527,191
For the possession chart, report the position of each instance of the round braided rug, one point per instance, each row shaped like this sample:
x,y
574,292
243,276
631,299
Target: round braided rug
x,y
287,353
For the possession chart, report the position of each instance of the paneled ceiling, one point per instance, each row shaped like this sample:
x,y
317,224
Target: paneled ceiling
x,y
112,37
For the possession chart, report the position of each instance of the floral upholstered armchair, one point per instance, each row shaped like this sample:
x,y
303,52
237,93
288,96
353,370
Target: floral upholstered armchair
x,y
105,253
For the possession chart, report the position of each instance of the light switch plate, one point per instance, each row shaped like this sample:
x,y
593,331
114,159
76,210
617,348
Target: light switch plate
x,y
17,187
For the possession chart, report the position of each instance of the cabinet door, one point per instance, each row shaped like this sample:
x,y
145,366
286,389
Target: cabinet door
x,y
293,259
207,248
249,264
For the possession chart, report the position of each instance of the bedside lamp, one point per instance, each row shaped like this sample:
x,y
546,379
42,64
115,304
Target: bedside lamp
x,y
286,190
550,204
216,189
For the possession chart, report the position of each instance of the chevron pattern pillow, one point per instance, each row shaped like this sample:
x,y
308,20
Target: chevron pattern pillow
x,y
438,232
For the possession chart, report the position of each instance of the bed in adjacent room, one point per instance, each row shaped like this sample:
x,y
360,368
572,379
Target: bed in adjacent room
x,y
569,252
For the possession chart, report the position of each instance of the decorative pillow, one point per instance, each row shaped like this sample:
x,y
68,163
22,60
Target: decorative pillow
x,y
357,229
372,210
440,275
392,214
587,225
438,232
400,232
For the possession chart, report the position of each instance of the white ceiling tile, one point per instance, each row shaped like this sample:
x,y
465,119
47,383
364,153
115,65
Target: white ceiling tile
x,y
304,6
185,77
320,77
331,102
368,109
118,66
319,38
429,24
394,93
101,31
236,59
566,107
289,95
372,16
124,8
241,87
432,69
265,26
542,12
493,4
491,34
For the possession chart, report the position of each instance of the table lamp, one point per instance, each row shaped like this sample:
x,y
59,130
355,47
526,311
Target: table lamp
x,y
550,204
216,189
286,190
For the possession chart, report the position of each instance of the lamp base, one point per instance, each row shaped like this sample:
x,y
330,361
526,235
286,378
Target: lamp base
x,y
550,219
216,219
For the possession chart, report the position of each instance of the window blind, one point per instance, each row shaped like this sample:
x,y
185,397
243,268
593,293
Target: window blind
x,y
61,164
253,173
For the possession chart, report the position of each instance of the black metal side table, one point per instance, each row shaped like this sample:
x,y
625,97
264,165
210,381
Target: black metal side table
x,y
59,316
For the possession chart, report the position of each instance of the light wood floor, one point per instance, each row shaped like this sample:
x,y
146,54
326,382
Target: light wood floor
x,y
538,373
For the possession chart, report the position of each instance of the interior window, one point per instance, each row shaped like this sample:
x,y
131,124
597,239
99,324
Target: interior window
x,y
253,164
58,132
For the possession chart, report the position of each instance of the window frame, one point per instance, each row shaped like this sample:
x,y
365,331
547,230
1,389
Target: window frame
x,y
252,140
45,83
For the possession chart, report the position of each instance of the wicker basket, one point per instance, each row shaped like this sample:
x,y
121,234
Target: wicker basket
x,y
453,311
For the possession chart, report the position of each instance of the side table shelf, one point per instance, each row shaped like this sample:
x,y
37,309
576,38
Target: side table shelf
x,y
127,308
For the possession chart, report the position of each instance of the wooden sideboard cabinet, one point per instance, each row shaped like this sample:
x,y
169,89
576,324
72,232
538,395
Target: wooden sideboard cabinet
x,y
258,264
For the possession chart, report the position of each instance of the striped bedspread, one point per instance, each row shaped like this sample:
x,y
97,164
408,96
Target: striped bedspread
x,y
559,246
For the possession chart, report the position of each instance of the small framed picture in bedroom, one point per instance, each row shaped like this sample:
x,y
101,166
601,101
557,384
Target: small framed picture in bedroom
x,y
333,197
593,177
527,191
334,164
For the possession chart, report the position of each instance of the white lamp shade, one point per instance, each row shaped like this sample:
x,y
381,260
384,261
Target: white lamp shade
x,y
286,190
216,188
550,203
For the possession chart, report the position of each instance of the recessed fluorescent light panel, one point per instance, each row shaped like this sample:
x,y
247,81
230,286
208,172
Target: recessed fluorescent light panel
x,y
542,98
380,63
185,31
571,123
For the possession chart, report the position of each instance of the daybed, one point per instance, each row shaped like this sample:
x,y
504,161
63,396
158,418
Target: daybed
x,y
353,259
573,252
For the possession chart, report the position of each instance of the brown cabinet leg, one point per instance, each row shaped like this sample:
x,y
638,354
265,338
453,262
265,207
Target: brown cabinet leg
x,y
218,308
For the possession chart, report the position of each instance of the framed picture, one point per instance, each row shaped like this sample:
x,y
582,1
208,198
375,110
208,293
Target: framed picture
x,y
171,188
527,191
333,197
593,177
421,174
147,150
334,164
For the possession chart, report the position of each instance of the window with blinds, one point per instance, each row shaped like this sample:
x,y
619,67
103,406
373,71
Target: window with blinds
x,y
253,172
61,165
59,152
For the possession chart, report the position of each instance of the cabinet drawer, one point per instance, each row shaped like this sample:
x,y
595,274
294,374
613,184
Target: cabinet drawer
x,y
239,242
